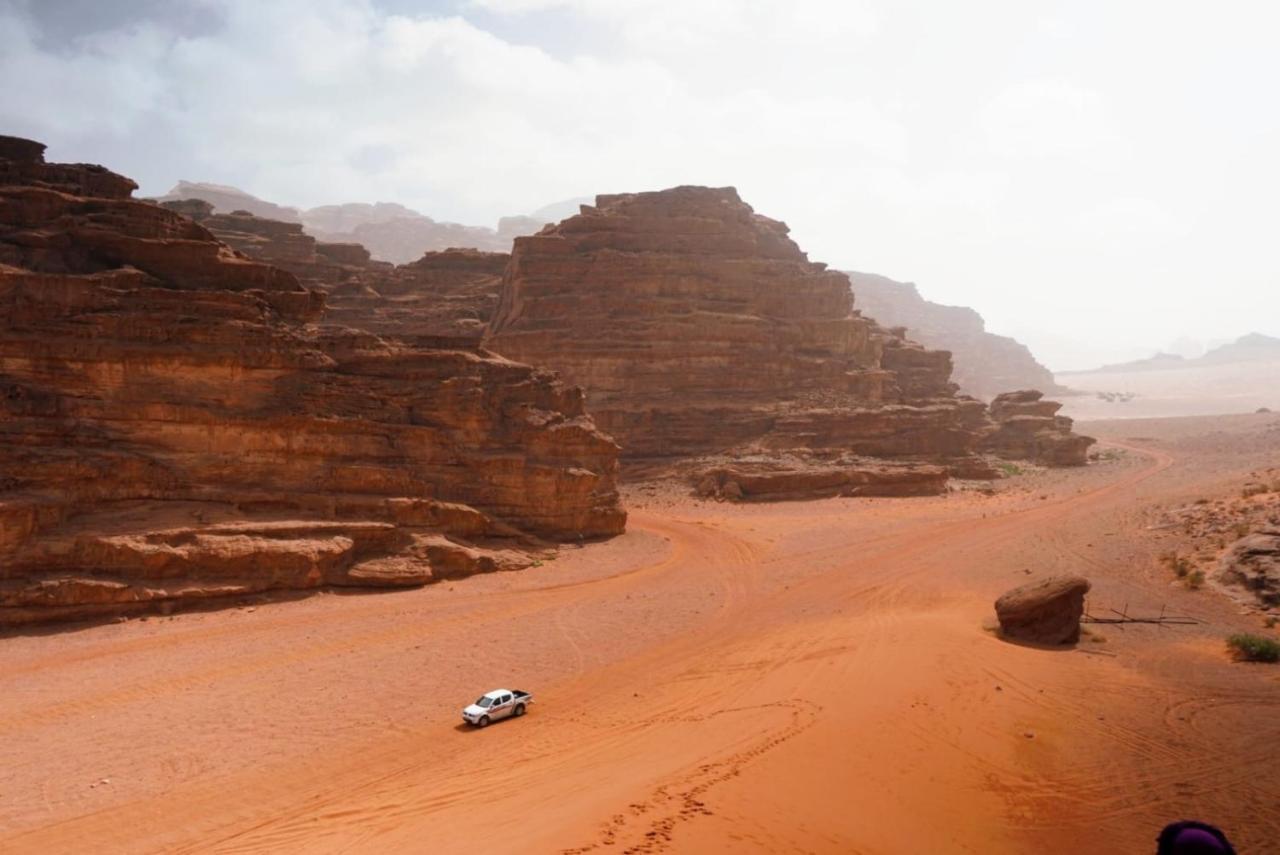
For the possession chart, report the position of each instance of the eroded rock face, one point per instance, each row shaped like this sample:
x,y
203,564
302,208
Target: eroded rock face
x,y
1253,564
1027,427
1044,612
444,299
176,426
699,327
985,364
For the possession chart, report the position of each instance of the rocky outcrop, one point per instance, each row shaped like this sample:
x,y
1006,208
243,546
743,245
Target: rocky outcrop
x,y
1252,563
1044,612
404,239
444,298
389,231
176,426
699,327
791,476
985,364
1027,427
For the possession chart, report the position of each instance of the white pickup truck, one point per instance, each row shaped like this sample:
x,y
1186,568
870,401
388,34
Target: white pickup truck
x,y
500,703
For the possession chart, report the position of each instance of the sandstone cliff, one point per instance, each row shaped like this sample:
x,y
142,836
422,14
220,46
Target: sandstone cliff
x,y
176,426
985,364
444,298
700,328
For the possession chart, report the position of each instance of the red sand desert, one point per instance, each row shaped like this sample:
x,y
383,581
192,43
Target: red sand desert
x,y
791,677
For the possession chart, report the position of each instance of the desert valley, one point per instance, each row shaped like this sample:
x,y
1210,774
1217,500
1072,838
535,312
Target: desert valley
x,y
788,558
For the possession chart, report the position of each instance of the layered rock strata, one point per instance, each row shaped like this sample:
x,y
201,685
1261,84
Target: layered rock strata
x,y
699,328
1044,612
1252,563
1027,427
985,364
174,426
444,298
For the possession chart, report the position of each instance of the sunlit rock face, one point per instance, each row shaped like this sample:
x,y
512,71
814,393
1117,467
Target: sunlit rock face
x,y
178,424
698,326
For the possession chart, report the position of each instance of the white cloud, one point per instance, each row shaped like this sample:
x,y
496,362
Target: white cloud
x,y
1045,118
1023,165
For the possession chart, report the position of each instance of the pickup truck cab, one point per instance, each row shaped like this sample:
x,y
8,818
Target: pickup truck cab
x,y
498,704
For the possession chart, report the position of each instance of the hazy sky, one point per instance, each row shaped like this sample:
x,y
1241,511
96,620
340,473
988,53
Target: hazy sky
x,y
1097,178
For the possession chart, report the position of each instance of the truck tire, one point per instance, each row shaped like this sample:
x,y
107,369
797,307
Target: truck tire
x,y
519,710
483,722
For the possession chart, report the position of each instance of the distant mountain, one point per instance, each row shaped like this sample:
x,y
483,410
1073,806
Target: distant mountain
x,y
345,218
226,199
1254,347
557,211
390,231
985,364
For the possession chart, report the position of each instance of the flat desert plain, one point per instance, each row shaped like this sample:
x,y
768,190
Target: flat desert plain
x,y
794,677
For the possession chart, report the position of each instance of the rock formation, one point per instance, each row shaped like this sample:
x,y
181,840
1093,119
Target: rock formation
x,y
1044,612
1253,564
177,427
1026,427
699,328
985,364
444,298
389,231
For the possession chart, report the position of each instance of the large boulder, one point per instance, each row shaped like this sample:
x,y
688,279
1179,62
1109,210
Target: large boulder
x,y
1044,612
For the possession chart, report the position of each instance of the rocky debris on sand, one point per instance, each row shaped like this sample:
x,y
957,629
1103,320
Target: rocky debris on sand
x,y
176,426
1047,611
792,477
1230,537
1253,563
1027,427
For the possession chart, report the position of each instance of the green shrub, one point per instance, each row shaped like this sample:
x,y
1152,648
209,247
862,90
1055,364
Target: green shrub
x,y
1195,581
1254,648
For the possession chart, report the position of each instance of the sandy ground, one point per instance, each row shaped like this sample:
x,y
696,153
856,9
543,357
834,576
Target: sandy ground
x,y
1196,390
800,677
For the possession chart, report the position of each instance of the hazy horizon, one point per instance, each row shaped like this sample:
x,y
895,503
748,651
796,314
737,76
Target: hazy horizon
x,y
1096,181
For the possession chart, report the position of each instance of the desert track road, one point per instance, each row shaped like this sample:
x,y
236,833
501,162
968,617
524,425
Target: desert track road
x,y
802,677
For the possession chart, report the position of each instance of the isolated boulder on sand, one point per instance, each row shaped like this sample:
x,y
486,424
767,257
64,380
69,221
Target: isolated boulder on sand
x,y
1044,612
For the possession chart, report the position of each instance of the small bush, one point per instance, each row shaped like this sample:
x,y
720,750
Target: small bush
x,y
1251,490
1179,565
1008,470
1195,580
1254,648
